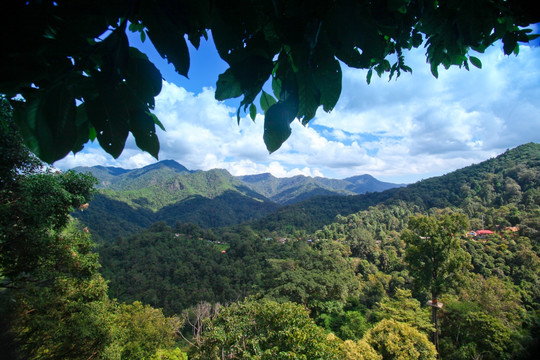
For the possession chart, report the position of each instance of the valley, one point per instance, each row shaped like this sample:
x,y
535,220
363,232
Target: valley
x,y
345,258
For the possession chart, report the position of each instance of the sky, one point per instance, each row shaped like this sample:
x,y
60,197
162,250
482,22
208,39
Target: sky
x,y
399,131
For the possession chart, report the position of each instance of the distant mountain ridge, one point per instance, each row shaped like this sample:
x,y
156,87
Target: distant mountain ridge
x,y
298,188
130,200
280,190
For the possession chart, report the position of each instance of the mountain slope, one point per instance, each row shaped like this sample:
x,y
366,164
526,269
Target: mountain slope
x,y
130,200
510,178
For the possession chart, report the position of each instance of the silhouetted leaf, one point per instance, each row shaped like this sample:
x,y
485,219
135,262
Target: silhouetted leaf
x,y
227,86
168,39
277,125
143,77
475,61
143,129
327,78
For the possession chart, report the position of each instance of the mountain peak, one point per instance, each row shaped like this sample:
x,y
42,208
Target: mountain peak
x,y
257,177
171,164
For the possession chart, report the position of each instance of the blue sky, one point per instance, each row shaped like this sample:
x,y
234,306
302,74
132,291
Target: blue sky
x,y
399,131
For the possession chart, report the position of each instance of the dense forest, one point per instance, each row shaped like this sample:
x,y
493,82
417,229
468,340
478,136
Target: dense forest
x,y
448,267
354,275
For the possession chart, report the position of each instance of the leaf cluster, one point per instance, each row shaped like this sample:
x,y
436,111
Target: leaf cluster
x,y
72,76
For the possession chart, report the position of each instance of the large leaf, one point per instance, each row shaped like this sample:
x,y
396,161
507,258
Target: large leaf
x,y
267,100
277,127
143,129
308,96
168,38
109,115
327,78
476,61
143,77
47,121
227,86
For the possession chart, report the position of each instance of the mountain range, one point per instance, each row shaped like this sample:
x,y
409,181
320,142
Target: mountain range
x,y
168,191
129,200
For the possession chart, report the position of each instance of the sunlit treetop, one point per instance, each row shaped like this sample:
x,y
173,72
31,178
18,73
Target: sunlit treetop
x,y
72,76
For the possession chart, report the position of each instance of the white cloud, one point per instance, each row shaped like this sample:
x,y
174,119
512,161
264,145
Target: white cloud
x,y
401,131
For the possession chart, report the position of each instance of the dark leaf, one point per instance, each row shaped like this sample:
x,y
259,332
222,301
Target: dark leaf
x,y
369,75
109,115
327,78
417,39
277,125
510,43
168,39
143,77
157,122
434,70
143,129
83,130
227,86
276,87
47,121
475,61
252,111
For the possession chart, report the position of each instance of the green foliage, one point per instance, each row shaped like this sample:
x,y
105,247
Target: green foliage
x,y
358,350
321,278
395,340
485,320
33,210
172,354
472,332
15,158
59,309
142,332
476,189
80,80
176,268
53,301
404,308
264,329
354,276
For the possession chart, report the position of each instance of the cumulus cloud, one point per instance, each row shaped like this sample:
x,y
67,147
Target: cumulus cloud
x,y
400,131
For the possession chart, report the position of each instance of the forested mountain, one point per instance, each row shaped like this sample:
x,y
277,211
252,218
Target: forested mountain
x,y
356,274
510,178
130,200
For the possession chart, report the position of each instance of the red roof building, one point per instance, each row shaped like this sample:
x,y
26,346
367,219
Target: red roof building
x,y
484,232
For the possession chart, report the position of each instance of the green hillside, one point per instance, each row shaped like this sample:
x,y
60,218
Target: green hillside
x,y
510,178
129,201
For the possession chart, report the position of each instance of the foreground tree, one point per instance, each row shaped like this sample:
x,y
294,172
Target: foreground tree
x,y
265,329
53,301
79,80
434,256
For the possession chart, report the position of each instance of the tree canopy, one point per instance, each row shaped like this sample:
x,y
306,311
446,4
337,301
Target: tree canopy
x,y
71,75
